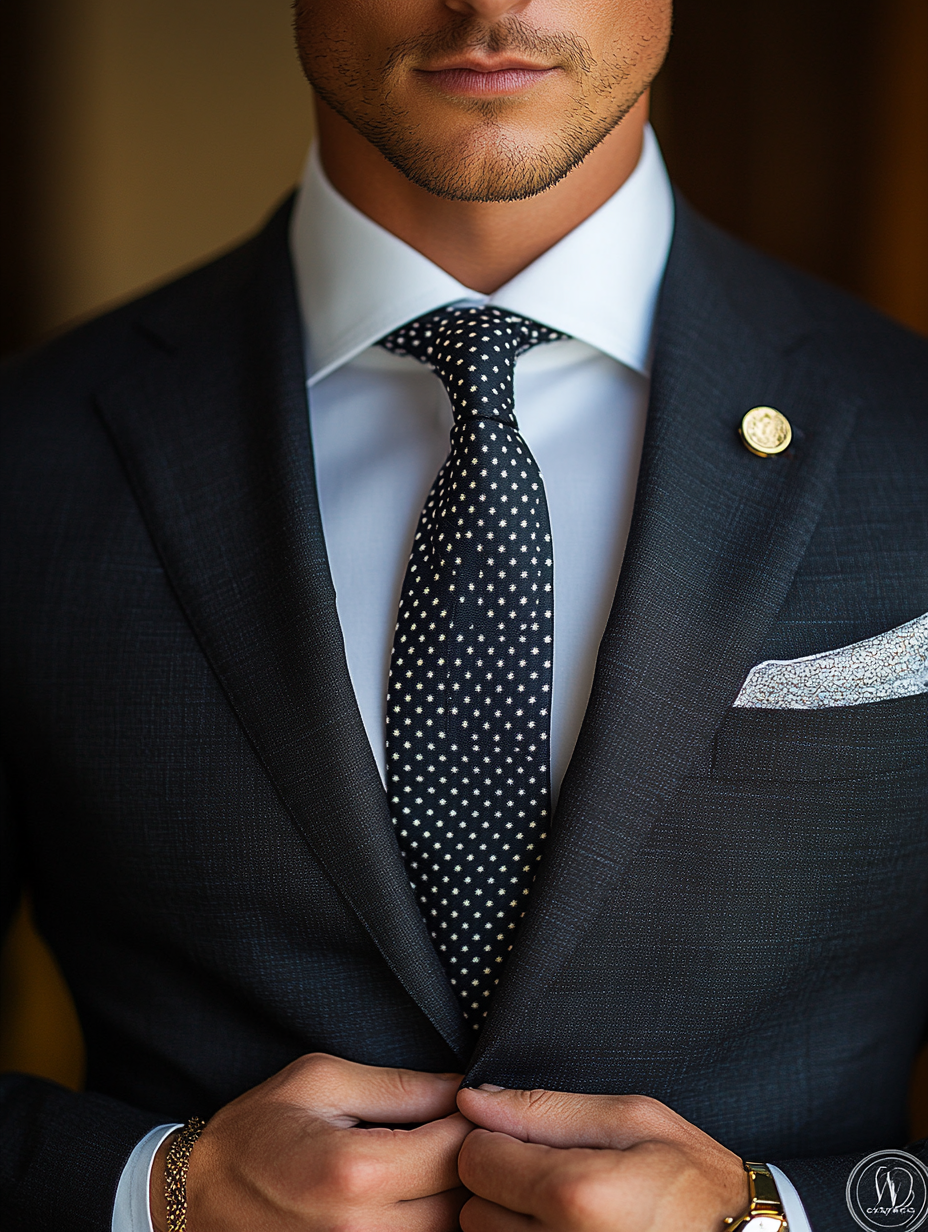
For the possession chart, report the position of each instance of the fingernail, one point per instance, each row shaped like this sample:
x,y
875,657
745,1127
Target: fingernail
x,y
488,1086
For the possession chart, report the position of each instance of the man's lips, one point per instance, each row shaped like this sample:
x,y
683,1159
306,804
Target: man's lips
x,y
514,79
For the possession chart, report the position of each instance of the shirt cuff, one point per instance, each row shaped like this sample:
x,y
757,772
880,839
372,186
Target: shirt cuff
x,y
131,1210
793,1209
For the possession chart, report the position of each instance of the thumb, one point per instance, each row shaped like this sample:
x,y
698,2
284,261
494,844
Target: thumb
x,y
559,1118
345,1092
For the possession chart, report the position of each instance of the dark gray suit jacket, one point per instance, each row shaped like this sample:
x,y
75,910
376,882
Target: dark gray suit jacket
x,y
732,911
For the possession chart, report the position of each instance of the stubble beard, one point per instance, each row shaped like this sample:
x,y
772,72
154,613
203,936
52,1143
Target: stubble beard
x,y
490,163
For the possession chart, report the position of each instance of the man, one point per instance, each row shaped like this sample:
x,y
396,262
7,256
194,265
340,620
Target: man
x,y
301,871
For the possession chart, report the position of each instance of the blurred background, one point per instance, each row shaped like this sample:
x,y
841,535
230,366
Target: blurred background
x,y
141,136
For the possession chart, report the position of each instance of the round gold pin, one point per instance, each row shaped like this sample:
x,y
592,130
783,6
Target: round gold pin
x,y
765,431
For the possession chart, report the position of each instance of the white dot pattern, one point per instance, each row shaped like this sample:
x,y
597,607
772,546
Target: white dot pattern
x,y
469,697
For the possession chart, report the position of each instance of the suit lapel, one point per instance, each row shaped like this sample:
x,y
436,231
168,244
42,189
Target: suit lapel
x,y
211,423
716,538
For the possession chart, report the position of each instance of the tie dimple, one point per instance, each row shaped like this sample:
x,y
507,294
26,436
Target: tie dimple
x,y
469,698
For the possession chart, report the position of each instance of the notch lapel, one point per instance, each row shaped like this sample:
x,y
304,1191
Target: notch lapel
x,y
716,537
210,420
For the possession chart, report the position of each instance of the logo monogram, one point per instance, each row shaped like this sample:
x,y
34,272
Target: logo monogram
x,y
888,1192
891,1188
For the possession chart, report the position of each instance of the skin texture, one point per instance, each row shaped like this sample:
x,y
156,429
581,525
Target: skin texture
x,y
480,132
592,1163
295,1154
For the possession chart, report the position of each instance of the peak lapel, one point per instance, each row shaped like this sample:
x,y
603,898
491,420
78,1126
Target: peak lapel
x,y
211,422
716,537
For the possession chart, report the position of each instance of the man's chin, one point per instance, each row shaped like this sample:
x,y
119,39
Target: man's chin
x,y
487,168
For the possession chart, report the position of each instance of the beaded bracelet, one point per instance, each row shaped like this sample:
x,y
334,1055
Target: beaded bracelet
x,y
175,1174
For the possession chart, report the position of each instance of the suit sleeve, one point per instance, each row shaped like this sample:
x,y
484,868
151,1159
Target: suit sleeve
x,y
61,1153
821,1184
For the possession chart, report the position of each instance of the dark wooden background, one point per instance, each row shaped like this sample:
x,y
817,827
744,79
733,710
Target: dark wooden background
x,y
802,126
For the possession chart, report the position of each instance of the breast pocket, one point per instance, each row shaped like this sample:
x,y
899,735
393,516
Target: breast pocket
x,y
847,742
823,814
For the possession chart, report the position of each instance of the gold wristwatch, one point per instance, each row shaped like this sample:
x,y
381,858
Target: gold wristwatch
x,y
765,1211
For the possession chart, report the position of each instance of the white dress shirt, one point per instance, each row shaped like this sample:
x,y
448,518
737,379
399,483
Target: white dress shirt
x,y
380,422
380,429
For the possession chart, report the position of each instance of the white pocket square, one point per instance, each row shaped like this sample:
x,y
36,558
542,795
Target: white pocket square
x,y
892,664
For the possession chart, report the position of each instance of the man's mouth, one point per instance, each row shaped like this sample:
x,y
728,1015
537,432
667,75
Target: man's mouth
x,y
503,77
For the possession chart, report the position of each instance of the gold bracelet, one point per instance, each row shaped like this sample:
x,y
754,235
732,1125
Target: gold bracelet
x,y
175,1174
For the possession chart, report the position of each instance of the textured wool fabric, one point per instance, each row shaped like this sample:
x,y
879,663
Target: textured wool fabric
x,y
732,909
469,698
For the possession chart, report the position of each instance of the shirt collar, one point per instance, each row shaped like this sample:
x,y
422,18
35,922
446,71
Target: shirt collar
x,y
357,282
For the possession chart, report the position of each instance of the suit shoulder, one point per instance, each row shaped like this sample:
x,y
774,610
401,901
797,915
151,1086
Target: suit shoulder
x,y
867,346
204,299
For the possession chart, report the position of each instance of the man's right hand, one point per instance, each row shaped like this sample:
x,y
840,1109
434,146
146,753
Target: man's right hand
x,y
290,1156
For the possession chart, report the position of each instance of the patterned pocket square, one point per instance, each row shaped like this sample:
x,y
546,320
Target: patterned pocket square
x,y
893,664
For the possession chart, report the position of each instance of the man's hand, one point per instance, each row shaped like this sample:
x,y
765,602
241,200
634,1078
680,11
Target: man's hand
x,y
592,1163
290,1156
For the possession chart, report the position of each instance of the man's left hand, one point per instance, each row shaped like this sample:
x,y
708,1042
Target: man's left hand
x,y
592,1163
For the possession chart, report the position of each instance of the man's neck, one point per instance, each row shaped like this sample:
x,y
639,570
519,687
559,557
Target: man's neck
x,y
483,245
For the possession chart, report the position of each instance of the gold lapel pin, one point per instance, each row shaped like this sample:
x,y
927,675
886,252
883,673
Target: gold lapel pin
x,y
765,431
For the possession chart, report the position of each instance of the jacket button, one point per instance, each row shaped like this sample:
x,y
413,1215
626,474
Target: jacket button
x,y
765,431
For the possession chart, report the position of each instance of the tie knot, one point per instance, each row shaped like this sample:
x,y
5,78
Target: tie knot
x,y
473,351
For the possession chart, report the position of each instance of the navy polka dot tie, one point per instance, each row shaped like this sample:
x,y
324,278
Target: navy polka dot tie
x,y
469,698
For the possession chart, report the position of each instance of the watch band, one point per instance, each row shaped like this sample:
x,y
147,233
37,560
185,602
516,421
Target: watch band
x,y
765,1210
